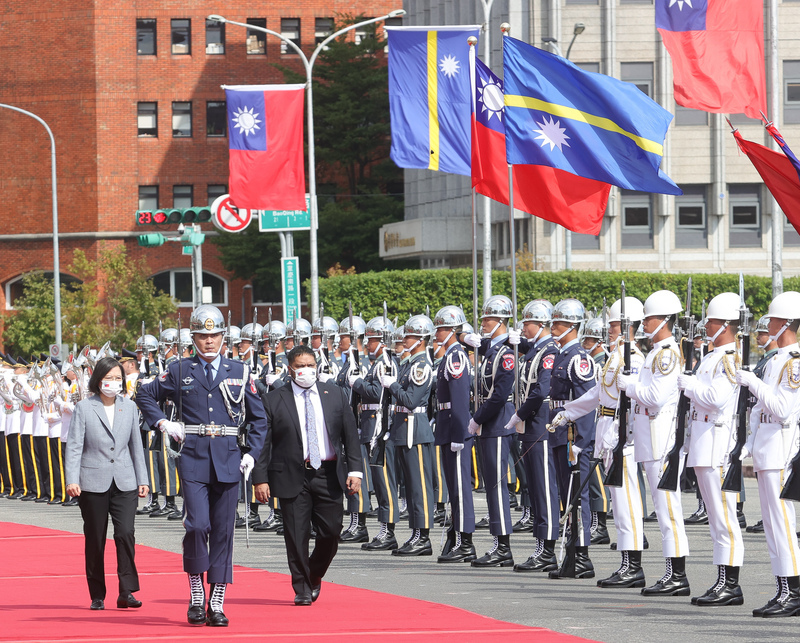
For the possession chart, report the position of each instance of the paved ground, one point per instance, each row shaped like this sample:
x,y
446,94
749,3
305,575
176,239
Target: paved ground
x,y
575,607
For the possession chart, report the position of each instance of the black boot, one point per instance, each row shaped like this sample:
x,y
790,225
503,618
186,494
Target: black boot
x,y
543,560
583,566
357,534
498,556
439,514
726,590
758,528
699,517
273,521
385,540
462,551
787,603
166,510
150,507
215,617
673,582
599,529
629,574
525,523
196,614
418,545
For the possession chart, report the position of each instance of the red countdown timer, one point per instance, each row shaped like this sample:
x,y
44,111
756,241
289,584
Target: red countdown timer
x,y
149,217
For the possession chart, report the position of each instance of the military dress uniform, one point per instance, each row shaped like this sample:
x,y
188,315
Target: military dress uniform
x,y
413,442
537,451
13,453
455,443
598,496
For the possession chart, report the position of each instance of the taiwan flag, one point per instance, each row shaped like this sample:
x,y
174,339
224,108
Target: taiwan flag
x,y
573,202
265,134
717,50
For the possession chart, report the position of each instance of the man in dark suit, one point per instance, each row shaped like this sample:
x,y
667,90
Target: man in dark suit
x,y
308,470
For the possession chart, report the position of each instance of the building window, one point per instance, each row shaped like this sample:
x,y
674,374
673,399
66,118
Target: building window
x,y
216,118
290,28
791,91
15,288
745,215
362,33
215,37
146,37
181,36
148,197
181,120
581,1
182,196
178,284
688,116
640,74
790,235
216,191
637,220
323,27
691,229
256,40
592,67
147,119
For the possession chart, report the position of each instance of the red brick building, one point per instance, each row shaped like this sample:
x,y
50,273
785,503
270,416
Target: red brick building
x,y
131,91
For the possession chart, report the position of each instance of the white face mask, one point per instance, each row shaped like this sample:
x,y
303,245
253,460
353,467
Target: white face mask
x,y
110,389
305,377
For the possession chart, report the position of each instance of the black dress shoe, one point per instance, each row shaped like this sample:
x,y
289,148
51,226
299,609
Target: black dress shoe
x,y
629,574
673,582
786,603
196,615
303,599
149,508
758,528
600,536
127,600
464,553
240,523
385,540
358,535
97,604
419,547
651,518
584,568
42,500
523,525
55,501
498,556
316,586
699,517
725,595
216,618
70,502
175,515
166,510
483,523
16,495
4,494
544,561
28,497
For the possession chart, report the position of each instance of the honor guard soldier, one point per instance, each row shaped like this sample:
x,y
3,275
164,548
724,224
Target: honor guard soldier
x,y
604,396
530,422
654,399
412,435
374,422
322,332
773,444
495,387
297,332
713,393
276,373
215,397
574,373
249,341
167,471
233,336
453,383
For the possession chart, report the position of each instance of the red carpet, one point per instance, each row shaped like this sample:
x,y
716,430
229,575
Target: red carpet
x,y
44,598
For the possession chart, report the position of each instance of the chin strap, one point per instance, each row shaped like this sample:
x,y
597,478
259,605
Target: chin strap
x,y
658,328
713,338
488,334
781,331
564,334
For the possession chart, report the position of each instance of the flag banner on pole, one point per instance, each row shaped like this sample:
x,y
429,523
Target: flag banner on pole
x,y
779,174
429,97
588,124
557,196
717,50
265,135
786,149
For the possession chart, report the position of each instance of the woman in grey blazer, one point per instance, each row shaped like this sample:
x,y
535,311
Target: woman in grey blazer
x,y
105,470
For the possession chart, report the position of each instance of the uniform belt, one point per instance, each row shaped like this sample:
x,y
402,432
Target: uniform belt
x,y
766,418
403,409
607,411
705,417
643,410
211,430
483,399
555,404
444,406
370,407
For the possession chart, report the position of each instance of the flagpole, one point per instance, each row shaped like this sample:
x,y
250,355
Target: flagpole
x,y
473,41
487,202
774,102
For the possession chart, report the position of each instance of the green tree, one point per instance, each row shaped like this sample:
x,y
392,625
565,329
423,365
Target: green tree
x,y
32,326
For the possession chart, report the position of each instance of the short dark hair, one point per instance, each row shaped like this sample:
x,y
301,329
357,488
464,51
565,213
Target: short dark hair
x,y
101,369
297,351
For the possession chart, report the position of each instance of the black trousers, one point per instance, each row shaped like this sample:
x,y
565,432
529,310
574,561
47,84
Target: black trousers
x,y
5,469
57,487
41,451
15,462
95,510
28,466
320,503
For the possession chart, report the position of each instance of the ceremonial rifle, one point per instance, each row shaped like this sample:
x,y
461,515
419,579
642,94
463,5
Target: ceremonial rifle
x,y
615,471
669,479
254,341
230,336
377,447
271,343
733,478
355,364
160,331
144,366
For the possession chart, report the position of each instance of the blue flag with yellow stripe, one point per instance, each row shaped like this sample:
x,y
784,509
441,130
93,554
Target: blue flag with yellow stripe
x,y
588,124
430,97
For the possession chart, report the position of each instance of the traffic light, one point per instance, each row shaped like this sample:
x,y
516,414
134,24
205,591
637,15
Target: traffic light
x,y
173,216
189,238
196,215
152,240
151,217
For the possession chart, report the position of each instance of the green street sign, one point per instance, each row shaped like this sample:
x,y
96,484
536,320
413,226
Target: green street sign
x,y
290,277
285,220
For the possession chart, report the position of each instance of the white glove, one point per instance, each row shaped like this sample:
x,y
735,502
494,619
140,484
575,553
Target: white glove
x,y
512,422
68,407
514,337
575,451
323,377
474,428
686,382
387,380
608,457
472,339
455,447
353,378
624,381
271,379
559,420
173,429
745,451
746,378
247,464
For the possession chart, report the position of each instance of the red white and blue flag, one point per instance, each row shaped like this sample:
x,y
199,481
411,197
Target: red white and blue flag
x,y
265,135
717,50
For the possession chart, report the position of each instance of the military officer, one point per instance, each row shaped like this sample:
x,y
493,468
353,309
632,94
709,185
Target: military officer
x,y
218,397
322,330
773,444
654,397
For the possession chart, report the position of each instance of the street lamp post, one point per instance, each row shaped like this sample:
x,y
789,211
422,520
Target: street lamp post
x,y
553,42
308,64
56,265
